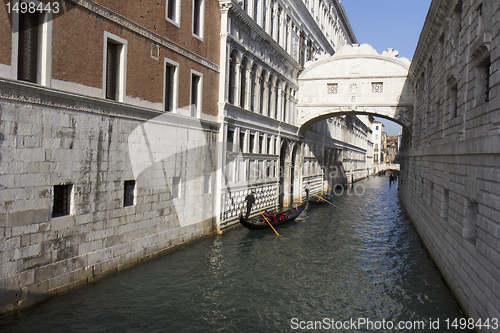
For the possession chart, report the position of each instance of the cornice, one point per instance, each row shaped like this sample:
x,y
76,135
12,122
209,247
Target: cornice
x,y
257,29
313,28
132,26
276,71
25,92
433,27
345,20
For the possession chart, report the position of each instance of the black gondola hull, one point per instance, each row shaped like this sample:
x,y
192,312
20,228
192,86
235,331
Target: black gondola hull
x,y
288,216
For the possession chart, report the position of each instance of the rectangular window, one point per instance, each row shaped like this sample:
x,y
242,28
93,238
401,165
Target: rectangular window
x,y
230,140
242,141
198,17
483,81
332,88
33,34
111,70
171,80
487,79
176,187
28,47
114,67
377,87
173,11
62,200
252,143
454,100
195,94
129,190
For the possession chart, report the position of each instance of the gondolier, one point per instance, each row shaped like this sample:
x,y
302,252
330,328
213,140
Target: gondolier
x,y
250,199
308,190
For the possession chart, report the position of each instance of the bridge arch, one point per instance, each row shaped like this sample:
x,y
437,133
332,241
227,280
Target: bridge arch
x,y
356,80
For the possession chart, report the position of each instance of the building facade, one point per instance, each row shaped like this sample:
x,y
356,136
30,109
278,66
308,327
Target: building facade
x,y
450,180
108,121
154,134
264,46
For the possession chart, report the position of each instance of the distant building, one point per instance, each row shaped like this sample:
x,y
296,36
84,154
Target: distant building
x,y
392,148
378,142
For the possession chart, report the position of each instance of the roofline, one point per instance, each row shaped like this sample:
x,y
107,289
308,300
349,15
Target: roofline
x,y
432,29
345,20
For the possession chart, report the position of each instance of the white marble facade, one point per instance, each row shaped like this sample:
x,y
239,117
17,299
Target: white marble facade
x,y
264,46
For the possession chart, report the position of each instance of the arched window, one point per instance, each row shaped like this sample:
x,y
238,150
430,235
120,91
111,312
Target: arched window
x,y
270,111
262,91
277,100
232,77
253,88
243,82
284,103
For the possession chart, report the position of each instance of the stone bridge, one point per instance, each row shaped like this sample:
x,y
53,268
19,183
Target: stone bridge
x,y
385,166
356,80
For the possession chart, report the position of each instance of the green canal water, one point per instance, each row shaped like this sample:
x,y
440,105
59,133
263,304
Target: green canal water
x,y
357,268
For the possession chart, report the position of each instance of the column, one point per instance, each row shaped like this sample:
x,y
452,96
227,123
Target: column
x,y
268,11
282,29
276,22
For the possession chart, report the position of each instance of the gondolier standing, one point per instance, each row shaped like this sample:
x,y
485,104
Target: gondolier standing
x,y
250,199
308,189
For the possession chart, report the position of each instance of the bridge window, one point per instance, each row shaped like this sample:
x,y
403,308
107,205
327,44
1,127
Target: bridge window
x,y
377,87
332,88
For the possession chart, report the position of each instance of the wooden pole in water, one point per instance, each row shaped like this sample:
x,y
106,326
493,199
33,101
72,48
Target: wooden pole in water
x,y
265,218
314,195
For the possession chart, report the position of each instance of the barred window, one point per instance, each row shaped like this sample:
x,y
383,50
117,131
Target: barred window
x,y
377,87
62,200
332,88
129,187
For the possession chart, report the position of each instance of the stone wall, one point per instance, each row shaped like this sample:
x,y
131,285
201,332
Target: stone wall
x,y
50,138
450,179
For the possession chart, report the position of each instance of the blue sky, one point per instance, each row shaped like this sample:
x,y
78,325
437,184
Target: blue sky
x,y
388,24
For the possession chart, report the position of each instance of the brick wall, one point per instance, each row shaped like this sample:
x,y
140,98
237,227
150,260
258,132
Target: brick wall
x,y
77,50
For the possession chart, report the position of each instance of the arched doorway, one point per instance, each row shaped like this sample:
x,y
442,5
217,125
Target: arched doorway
x,y
281,187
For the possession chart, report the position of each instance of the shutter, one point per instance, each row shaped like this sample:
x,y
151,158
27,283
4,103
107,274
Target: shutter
x,y
28,47
111,70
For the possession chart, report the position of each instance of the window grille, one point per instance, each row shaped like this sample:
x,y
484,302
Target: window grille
x,y
332,88
129,188
62,200
28,47
111,70
377,87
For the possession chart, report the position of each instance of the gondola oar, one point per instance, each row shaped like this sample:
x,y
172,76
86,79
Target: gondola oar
x,y
265,218
314,195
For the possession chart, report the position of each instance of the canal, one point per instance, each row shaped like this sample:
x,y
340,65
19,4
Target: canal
x,y
358,268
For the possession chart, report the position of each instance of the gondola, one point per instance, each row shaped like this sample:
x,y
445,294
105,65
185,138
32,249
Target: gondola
x,y
316,200
259,222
